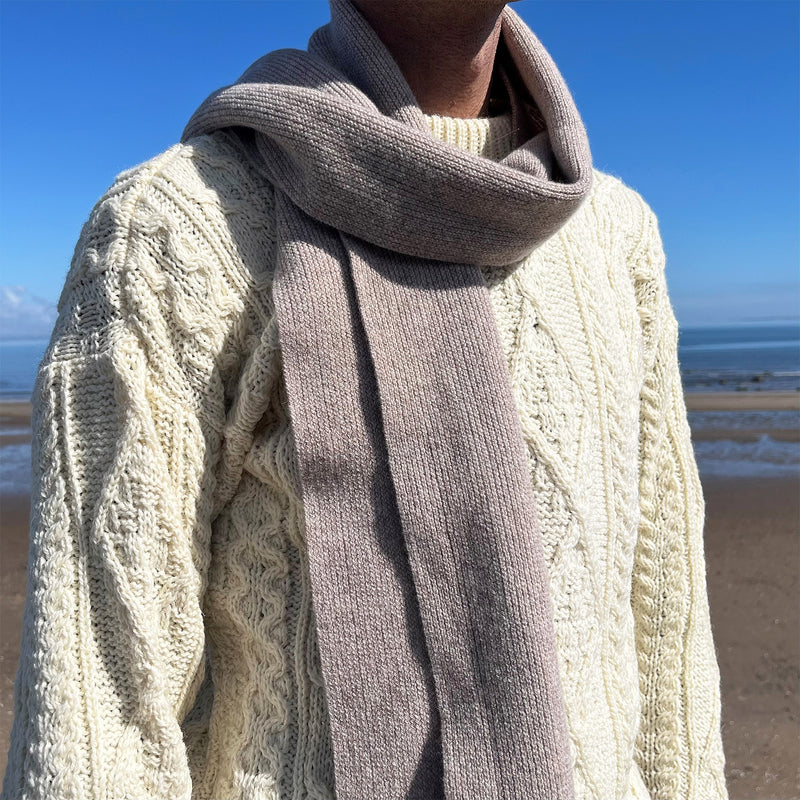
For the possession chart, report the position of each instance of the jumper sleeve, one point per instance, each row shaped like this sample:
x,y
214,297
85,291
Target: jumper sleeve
x,y
679,745
122,460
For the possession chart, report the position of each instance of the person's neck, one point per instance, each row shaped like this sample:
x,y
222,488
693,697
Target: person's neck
x,y
445,49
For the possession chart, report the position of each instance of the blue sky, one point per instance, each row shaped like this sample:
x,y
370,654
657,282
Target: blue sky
x,y
694,103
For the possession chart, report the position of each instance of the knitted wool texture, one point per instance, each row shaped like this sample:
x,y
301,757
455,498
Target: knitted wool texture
x,y
169,647
433,616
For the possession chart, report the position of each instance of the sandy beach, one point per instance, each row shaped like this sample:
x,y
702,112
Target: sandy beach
x,y
752,553
742,401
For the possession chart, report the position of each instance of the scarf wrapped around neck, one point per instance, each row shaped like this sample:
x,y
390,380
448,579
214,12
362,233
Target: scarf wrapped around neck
x,y
430,589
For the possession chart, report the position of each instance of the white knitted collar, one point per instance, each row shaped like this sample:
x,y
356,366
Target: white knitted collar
x,y
491,137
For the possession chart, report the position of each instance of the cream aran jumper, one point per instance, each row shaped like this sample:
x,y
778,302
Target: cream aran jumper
x,y
169,646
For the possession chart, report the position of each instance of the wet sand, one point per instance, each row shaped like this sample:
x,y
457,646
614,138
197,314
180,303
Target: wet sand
x,y
752,561
752,400
752,555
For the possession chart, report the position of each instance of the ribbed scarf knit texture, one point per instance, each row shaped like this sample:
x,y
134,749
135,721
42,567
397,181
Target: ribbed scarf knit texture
x,y
430,589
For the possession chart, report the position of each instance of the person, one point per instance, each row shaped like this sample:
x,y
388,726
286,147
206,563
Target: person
x,y
361,463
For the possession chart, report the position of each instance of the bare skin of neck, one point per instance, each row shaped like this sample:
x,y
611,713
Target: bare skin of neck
x,y
444,48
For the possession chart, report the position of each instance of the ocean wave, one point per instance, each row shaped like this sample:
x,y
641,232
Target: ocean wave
x,y
762,458
15,468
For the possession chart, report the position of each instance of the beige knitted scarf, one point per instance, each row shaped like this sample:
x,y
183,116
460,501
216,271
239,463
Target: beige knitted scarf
x,y
430,588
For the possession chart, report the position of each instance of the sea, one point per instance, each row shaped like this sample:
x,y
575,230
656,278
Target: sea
x,y
743,358
733,358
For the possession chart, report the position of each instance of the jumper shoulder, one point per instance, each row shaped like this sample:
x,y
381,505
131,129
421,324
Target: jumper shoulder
x,y
633,215
637,237
177,251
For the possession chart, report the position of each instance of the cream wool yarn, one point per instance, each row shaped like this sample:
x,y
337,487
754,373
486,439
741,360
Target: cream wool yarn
x,y
168,643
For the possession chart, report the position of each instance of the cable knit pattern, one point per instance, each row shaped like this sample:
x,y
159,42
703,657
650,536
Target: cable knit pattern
x,y
169,646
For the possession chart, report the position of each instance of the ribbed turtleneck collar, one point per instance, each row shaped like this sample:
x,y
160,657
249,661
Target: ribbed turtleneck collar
x,y
491,137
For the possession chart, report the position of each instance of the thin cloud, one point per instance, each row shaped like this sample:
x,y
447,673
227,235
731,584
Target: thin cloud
x,y
24,315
